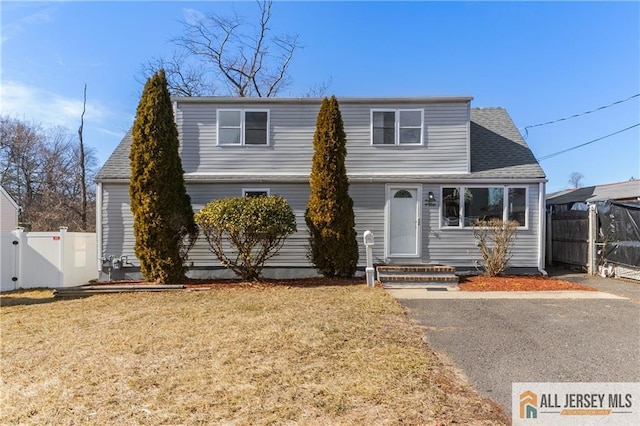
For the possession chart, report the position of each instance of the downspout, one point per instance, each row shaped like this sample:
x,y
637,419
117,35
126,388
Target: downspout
x,y
542,219
99,226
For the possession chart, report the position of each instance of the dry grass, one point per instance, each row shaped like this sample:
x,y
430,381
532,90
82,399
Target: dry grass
x,y
273,355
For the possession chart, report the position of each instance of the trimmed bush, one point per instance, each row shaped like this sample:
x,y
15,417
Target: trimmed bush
x,y
245,232
333,248
495,239
163,217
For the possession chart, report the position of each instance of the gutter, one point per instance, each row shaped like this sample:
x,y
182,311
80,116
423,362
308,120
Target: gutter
x,y
99,226
193,178
316,101
542,234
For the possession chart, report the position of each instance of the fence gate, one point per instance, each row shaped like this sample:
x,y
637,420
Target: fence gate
x,y
47,259
8,261
570,238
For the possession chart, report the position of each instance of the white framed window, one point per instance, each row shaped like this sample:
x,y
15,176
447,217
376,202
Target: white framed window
x,y
464,206
243,127
397,126
256,192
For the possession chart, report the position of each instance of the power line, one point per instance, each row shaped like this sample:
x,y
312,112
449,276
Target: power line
x,y
587,143
526,129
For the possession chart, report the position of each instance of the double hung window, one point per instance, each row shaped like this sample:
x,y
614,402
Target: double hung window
x,y
397,127
243,127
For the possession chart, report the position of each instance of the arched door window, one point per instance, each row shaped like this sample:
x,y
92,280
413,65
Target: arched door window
x,y
403,193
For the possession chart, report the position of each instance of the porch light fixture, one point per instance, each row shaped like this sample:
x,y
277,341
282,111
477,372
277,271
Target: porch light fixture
x,y
431,199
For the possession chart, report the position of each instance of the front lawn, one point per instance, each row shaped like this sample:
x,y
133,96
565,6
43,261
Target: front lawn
x,y
271,355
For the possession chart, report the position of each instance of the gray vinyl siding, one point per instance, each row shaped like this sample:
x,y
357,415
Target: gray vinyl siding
x,y
368,206
118,239
292,254
117,222
456,247
445,148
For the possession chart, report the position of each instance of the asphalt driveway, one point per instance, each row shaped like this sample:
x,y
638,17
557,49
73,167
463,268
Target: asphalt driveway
x,y
495,342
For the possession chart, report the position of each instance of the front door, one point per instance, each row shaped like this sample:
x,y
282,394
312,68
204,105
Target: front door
x,y
403,221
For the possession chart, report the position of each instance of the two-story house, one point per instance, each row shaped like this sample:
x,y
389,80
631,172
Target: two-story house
x,y
422,171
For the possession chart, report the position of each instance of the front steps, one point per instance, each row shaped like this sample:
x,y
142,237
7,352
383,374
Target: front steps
x,y
430,276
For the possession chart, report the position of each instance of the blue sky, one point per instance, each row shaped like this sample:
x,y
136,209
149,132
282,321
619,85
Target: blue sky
x,y
541,61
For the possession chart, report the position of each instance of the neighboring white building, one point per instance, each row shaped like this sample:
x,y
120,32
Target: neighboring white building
x,y
9,210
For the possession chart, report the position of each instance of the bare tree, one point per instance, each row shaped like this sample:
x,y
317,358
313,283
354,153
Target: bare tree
x,y
227,54
575,180
318,90
41,170
83,171
184,78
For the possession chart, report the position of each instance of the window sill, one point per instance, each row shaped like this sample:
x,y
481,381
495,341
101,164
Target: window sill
x,y
470,228
232,145
404,145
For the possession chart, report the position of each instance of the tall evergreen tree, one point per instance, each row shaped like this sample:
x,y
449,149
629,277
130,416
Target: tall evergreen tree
x,y
333,247
163,217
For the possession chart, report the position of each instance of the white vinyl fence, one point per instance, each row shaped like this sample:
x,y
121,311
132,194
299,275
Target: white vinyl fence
x,y
47,259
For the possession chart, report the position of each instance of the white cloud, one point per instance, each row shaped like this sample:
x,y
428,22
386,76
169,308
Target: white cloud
x,y
103,129
14,28
45,107
192,16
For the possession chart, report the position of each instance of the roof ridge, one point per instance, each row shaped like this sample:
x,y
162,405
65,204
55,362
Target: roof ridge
x,y
618,183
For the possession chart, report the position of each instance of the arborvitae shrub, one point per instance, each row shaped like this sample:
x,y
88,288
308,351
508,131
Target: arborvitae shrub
x,y
333,248
245,232
163,217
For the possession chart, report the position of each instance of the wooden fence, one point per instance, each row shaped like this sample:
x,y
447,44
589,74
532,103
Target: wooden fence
x,y
570,238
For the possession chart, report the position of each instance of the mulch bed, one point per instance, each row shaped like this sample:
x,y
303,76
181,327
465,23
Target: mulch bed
x,y
518,283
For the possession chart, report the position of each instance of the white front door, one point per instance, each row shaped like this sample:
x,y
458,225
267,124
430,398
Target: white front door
x,y
403,220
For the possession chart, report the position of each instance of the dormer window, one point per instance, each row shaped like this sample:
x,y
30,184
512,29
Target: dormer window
x,y
243,127
397,126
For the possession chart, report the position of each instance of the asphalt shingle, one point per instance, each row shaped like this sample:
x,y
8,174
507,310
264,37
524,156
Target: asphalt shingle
x,y
497,147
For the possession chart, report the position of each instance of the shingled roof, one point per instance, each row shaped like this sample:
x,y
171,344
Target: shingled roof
x,y
497,151
497,147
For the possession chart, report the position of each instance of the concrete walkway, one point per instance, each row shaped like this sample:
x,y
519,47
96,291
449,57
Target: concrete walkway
x,y
417,293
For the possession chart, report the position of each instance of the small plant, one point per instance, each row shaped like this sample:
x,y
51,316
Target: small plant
x,y
245,232
495,239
